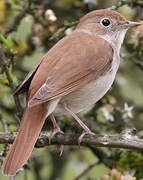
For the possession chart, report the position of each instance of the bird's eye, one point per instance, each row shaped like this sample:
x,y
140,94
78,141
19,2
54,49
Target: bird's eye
x,y
105,22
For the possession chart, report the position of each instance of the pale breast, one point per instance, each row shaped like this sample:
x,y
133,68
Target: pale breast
x,y
90,93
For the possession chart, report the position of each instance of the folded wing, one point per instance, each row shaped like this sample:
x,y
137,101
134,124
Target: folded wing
x,y
72,66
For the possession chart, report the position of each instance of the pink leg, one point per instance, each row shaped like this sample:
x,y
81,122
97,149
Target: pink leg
x,y
86,130
56,128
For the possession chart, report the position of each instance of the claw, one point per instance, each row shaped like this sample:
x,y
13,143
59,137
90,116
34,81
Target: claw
x,y
61,150
56,131
85,132
56,128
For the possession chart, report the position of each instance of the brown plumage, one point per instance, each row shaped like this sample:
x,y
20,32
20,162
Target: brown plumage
x,y
33,120
66,79
70,71
79,61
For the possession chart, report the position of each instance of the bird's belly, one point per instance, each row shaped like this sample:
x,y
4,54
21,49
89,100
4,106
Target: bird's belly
x,y
87,95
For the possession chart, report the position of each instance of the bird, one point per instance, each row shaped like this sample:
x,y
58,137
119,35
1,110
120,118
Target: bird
x,y
74,74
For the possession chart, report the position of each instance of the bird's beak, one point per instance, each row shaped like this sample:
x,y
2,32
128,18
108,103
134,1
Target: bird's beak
x,y
130,24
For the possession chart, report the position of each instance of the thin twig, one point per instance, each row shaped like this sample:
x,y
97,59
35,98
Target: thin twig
x,y
103,156
121,3
4,123
4,65
89,167
18,18
138,63
5,128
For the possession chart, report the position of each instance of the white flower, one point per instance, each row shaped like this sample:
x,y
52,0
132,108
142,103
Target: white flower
x,y
50,16
127,111
90,1
68,31
36,41
107,114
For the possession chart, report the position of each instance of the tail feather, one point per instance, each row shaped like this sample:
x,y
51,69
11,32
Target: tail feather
x,y
23,145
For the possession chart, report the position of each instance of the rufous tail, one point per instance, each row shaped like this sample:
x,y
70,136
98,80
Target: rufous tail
x,y
31,125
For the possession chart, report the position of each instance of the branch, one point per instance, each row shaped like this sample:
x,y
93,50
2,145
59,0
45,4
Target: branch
x,y
18,18
114,141
129,3
4,65
103,156
84,172
4,123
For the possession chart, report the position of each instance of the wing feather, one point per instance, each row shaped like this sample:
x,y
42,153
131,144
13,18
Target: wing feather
x,y
24,86
72,66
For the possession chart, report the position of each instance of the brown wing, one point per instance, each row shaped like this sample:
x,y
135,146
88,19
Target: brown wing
x,y
69,66
24,86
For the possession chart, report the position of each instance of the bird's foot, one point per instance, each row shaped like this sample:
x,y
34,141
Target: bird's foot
x,y
85,132
56,129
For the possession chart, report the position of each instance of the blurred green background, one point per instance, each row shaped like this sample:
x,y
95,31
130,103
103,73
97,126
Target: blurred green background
x,y
28,29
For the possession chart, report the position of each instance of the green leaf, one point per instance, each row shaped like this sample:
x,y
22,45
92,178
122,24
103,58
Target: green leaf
x,y
7,41
16,7
1,76
14,78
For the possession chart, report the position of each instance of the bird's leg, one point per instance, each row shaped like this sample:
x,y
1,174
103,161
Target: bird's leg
x,y
56,128
86,130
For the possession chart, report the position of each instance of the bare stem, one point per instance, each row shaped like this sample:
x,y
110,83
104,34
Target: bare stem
x,y
4,123
89,167
114,141
4,65
18,18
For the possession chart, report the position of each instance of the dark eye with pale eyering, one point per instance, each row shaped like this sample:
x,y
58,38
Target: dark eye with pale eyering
x,y
105,22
